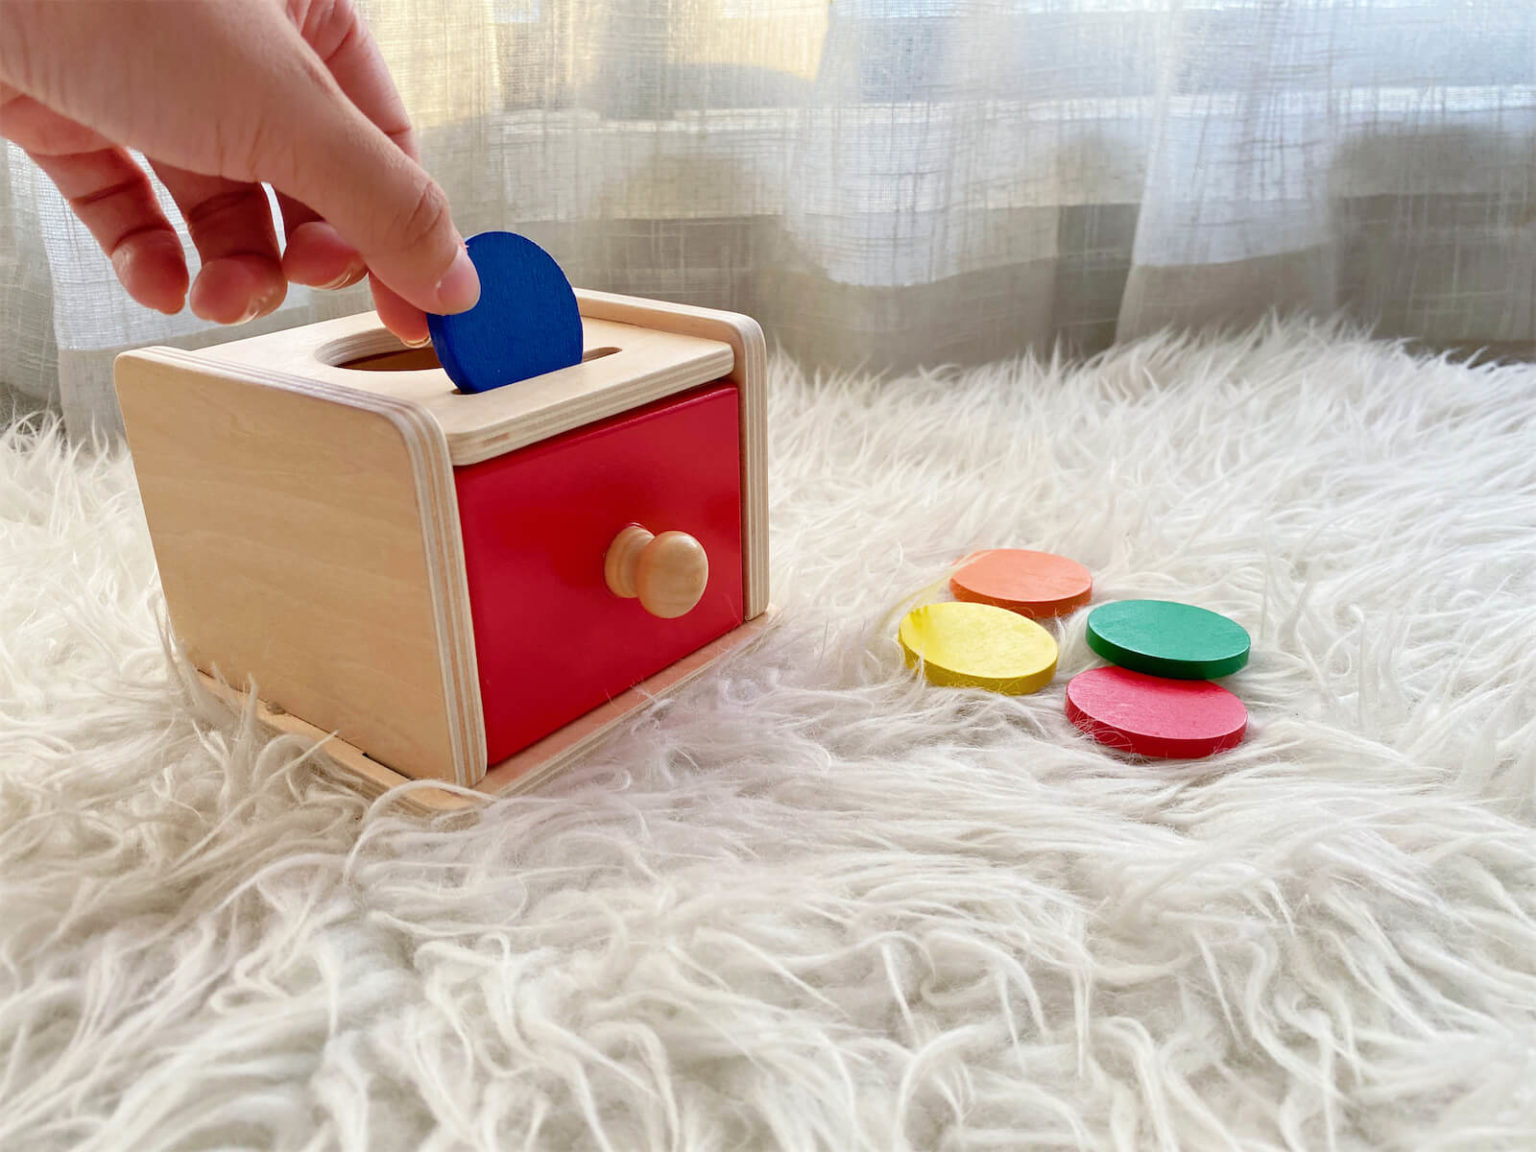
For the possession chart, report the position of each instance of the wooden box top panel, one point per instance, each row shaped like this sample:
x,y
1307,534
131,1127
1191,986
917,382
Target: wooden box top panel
x,y
625,366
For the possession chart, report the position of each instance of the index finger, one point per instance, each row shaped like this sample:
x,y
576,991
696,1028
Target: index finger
x,y
349,52
345,46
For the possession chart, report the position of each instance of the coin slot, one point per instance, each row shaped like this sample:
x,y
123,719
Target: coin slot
x,y
402,359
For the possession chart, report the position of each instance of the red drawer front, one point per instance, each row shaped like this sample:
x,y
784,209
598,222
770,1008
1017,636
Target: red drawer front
x,y
552,642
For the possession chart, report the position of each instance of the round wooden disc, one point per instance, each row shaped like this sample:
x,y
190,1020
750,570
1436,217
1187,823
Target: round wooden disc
x,y
1151,716
1035,584
526,322
979,646
1165,638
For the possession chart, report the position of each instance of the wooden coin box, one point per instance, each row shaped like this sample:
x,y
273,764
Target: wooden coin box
x,y
453,586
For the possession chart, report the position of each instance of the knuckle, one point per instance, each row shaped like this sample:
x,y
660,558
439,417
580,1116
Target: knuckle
x,y
247,151
241,202
133,187
427,215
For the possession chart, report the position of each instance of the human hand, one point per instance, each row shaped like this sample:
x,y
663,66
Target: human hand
x,y
221,96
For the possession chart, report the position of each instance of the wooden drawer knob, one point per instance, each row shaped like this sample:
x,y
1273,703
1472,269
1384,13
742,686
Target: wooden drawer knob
x,y
667,572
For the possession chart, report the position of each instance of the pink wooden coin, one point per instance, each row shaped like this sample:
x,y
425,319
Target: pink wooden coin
x,y
1034,584
1150,716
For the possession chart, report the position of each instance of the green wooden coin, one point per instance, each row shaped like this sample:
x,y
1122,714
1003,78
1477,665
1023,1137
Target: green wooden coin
x,y
1165,638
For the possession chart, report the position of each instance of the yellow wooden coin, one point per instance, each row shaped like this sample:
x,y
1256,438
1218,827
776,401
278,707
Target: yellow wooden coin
x,y
963,645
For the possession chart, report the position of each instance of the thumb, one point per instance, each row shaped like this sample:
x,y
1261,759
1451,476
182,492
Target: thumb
x,y
381,202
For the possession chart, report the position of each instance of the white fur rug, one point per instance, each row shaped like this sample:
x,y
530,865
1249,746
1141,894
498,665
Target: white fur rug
x,y
813,904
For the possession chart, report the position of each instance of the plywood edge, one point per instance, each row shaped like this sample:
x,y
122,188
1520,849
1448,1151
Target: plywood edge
x,y
750,372
432,477
529,768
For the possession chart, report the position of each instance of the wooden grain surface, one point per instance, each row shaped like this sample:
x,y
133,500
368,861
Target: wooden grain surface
x,y
332,578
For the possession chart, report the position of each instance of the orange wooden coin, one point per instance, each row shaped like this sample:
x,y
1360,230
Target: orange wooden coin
x,y
1034,584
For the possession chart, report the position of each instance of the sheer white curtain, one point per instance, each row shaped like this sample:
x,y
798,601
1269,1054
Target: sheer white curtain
x,y
887,182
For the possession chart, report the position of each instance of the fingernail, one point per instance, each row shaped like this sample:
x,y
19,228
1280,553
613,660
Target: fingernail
x,y
459,289
348,278
263,304
422,343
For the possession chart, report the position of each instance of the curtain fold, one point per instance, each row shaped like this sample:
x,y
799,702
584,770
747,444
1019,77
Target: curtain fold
x,y
893,182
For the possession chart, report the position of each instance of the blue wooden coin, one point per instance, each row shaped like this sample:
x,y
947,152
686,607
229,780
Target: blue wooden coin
x,y
1165,638
525,323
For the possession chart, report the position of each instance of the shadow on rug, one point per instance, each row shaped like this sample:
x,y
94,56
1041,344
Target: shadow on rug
x,y
813,903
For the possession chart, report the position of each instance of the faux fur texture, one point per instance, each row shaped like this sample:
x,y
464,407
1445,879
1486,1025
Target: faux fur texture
x,y
813,903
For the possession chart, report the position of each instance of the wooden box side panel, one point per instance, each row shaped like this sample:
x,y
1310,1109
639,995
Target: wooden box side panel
x,y
290,537
750,375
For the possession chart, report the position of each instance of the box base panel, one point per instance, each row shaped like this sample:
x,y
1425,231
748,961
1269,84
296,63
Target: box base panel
x,y
518,773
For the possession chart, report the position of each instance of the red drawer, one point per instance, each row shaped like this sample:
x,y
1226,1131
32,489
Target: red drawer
x,y
551,641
